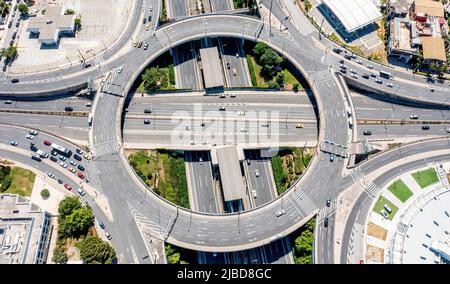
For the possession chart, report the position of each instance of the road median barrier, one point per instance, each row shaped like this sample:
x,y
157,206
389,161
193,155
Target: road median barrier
x,y
57,113
398,121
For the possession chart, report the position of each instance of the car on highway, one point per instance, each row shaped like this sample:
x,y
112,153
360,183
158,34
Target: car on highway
x,y
145,46
280,213
337,50
8,102
147,110
234,72
29,136
81,192
325,222
359,61
77,157
254,193
108,236
87,157
328,203
448,130
248,162
73,163
72,170
146,121
17,24
353,75
384,214
33,132
62,164
53,159
343,71
367,132
366,76
425,127
228,65
353,56
120,70
147,27
68,108
144,21
14,143
200,160
379,81
353,71
343,66
299,125
266,124
348,56
51,175
256,173
387,208
370,66
60,181
135,43
232,95
243,129
222,108
87,65
80,175
390,85
222,96
68,187
139,44
413,116
62,158
373,75
81,168
47,143
331,157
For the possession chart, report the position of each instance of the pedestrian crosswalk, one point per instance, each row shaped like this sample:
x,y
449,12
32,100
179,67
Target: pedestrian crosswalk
x,y
359,176
93,175
302,202
106,149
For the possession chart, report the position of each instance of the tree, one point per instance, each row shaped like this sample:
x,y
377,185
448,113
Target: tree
x,y
96,251
151,78
10,52
77,23
259,49
79,221
59,255
23,9
67,206
45,193
269,61
295,87
69,12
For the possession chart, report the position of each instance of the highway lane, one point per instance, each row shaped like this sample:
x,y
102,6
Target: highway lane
x,y
233,56
71,127
264,184
325,238
177,8
203,190
57,104
221,5
187,72
402,131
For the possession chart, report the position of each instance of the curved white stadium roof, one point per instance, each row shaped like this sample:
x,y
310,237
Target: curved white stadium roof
x,y
354,14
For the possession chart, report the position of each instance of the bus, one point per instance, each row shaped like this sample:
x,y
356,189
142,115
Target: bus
x,y
385,74
90,120
61,150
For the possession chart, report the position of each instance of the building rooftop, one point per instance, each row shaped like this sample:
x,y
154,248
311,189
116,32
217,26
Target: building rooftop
x,y
429,7
354,14
212,70
51,22
230,173
433,48
400,6
20,230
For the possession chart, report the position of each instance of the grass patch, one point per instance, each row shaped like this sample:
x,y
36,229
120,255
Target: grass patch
x,y
163,171
400,190
289,165
303,243
251,69
22,181
426,177
260,82
290,80
178,255
380,206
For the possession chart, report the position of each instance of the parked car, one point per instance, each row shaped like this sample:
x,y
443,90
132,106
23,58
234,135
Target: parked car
x,y
81,192
68,187
53,159
147,110
62,158
15,80
54,153
14,143
221,108
384,214
256,173
388,209
47,143
33,132
87,157
73,163
80,175
81,168
413,116
77,157
367,132
146,121
72,170
60,181
30,137
62,164
337,50
68,108
145,46
100,223
390,85
370,66
425,127
299,125
79,151
51,175
108,236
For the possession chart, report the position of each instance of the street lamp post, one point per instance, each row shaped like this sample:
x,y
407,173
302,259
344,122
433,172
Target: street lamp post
x,y
270,19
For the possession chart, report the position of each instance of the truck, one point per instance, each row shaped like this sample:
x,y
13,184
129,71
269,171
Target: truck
x,y
61,150
385,74
42,154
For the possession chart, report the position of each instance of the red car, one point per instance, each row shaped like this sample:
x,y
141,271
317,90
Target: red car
x,y
68,187
48,143
80,175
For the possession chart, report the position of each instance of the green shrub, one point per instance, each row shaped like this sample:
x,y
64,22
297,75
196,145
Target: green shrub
x,y
45,194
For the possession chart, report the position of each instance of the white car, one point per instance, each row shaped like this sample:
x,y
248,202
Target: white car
x,y
254,193
62,164
243,129
390,85
81,192
384,214
108,236
120,70
413,116
31,137
256,173
51,175
370,66
353,71
388,209
354,76
448,130
200,160
280,213
359,61
265,124
88,104
14,143
33,132
73,163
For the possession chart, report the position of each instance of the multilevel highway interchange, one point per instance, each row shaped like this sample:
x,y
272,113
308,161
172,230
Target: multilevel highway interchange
x,y
182,138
